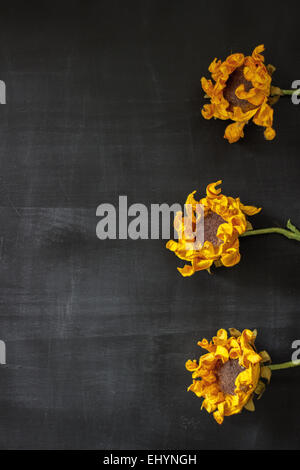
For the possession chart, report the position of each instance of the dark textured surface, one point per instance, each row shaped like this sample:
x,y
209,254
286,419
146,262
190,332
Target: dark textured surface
x,y
103,98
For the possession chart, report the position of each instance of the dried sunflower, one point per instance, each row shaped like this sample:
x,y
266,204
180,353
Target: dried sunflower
x,y
242,91
229,375
225,220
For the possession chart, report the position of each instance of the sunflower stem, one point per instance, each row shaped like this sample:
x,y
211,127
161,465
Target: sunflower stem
x,y
290,92
284,365
277,91
290,232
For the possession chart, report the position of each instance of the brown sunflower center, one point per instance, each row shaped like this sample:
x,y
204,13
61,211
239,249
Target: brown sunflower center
x,y
234,81
212,221
227,374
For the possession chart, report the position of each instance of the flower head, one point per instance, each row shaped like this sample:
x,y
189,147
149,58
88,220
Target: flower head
x,y
240,92
229,374
224,221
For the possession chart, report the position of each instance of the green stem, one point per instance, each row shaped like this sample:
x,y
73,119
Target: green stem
x,y
284,365
290,92
282,231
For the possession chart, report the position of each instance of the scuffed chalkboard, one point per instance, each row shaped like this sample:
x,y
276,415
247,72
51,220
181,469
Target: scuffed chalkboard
x,y
103,99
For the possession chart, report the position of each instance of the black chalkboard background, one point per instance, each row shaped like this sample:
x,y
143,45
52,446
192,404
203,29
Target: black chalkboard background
x,y
103,99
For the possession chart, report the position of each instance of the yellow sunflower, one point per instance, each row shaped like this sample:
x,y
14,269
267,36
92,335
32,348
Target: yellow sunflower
x,y
224,221
240,92
229,374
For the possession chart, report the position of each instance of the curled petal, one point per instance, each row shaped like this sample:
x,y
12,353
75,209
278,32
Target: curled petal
x,y
204,344
250,210
264,116
254,96
234,132
208,111
191,199
186,271
191,365
221,338
211,190
201,264
215,65
209,406
231,257
225,232
254,358
258,98
269,133
218,417
234,353
222,335
240,116
207,86
207,360
214,69
234,61
242,94
239,224
221,353
256,53
172,245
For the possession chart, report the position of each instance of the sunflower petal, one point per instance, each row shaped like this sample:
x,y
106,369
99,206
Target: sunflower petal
x,y
266,373
234,132
250,405
186,271
250,210
265,357
260,389
234,332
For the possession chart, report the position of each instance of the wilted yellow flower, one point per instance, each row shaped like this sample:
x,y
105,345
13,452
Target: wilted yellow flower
x,y
224,221
229,374
240,92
